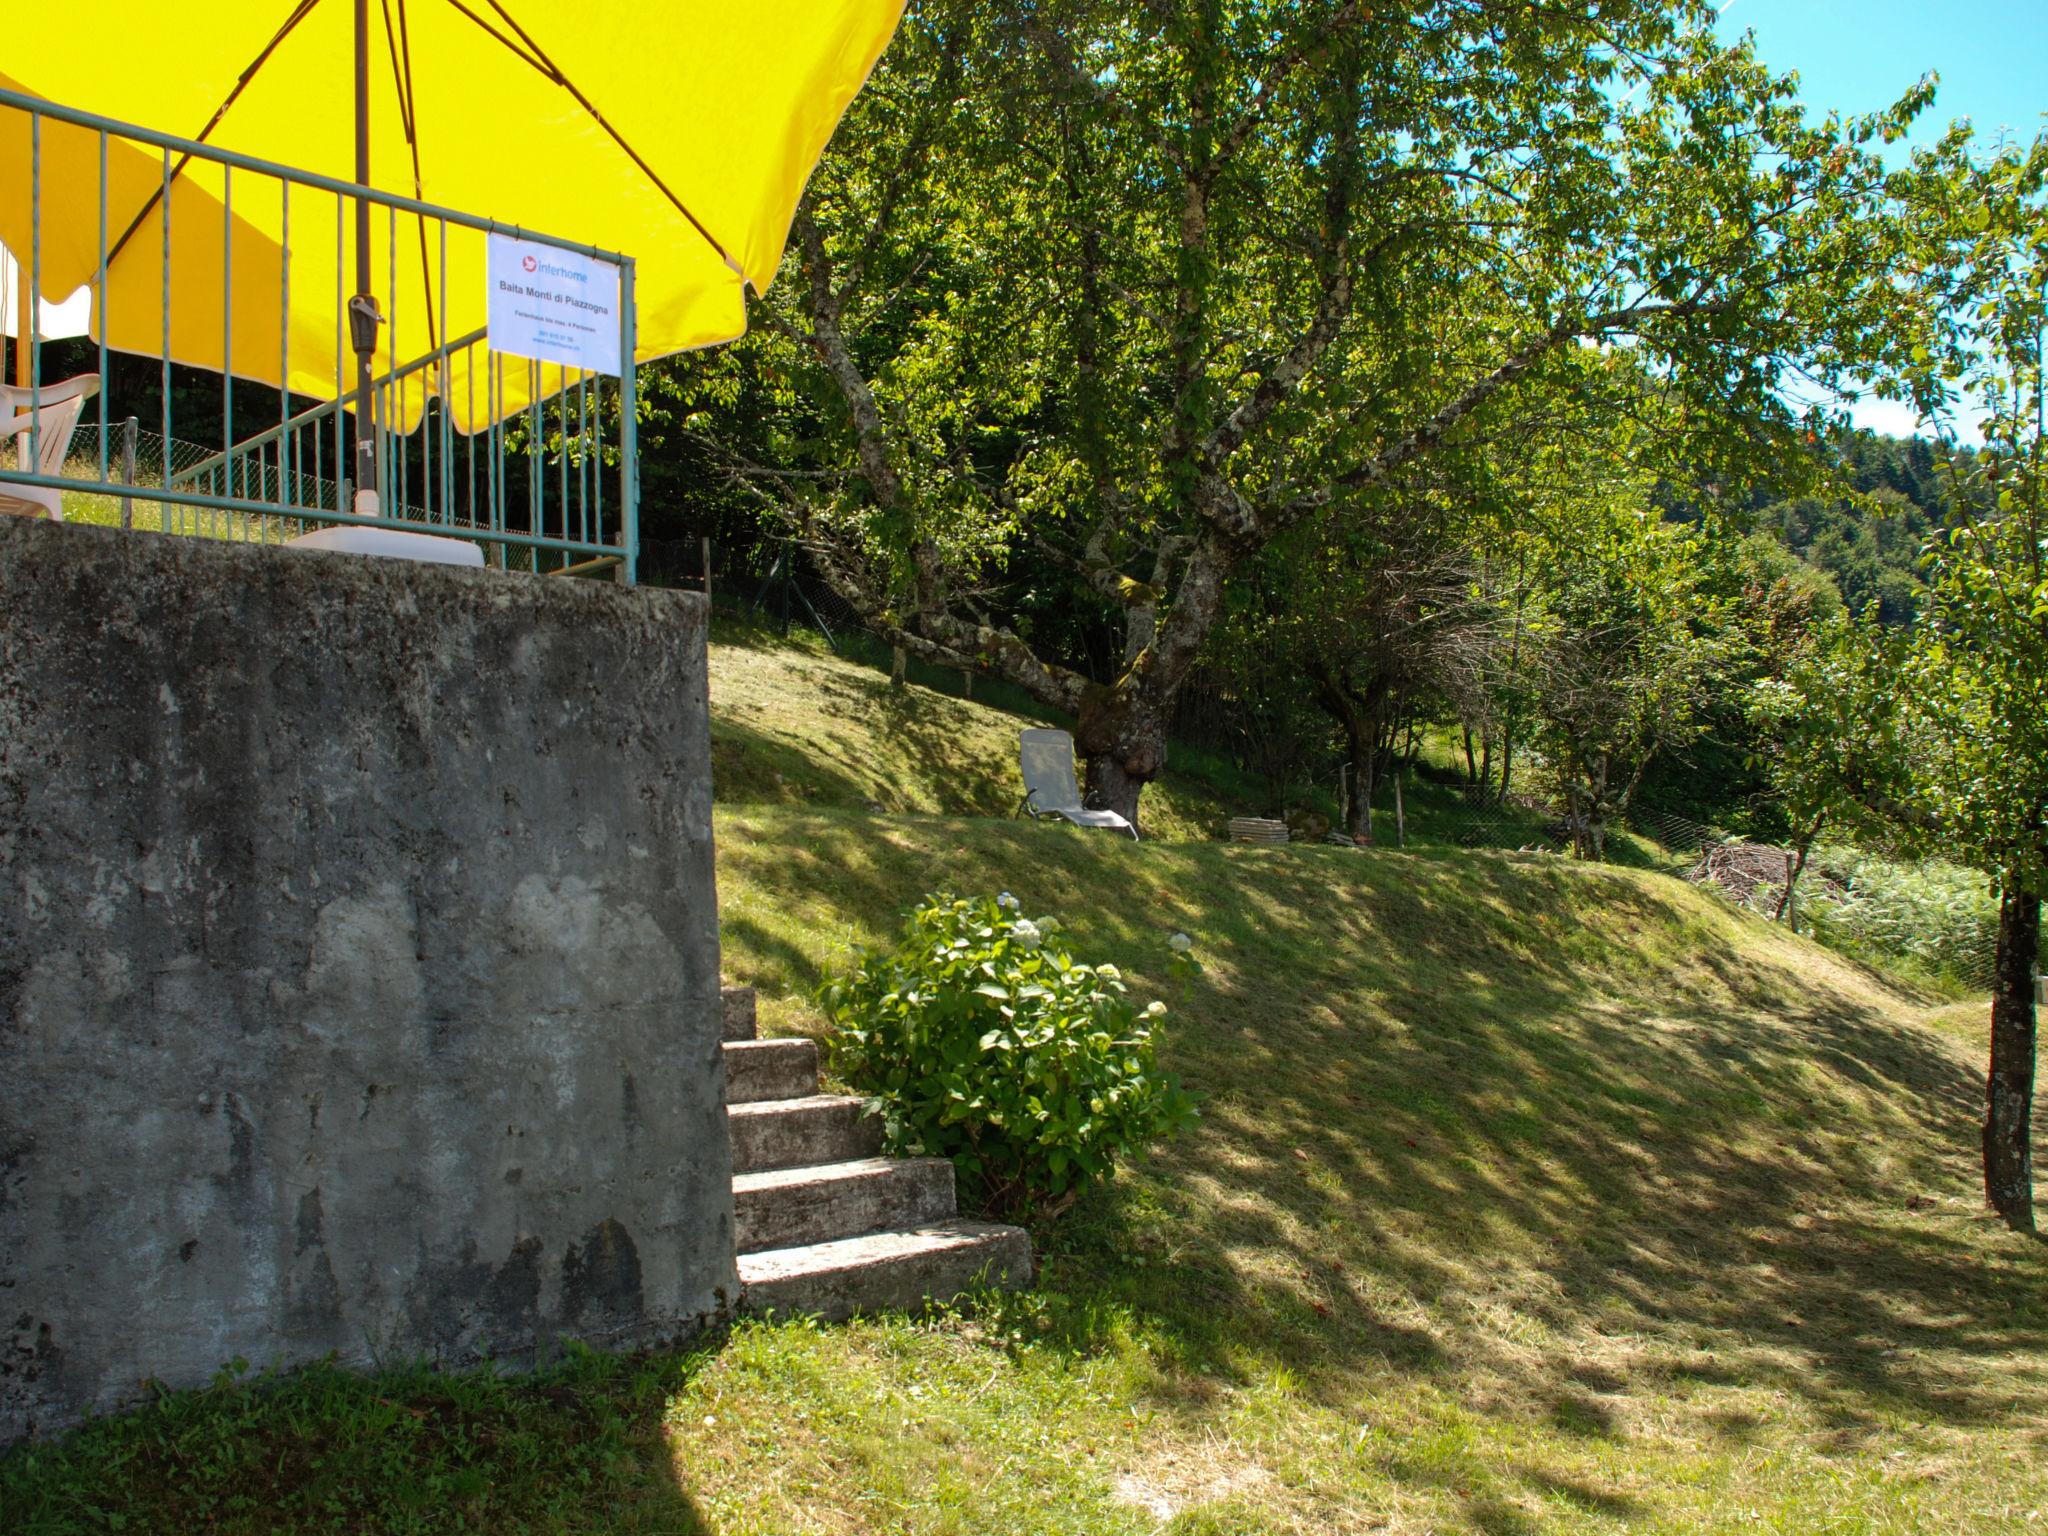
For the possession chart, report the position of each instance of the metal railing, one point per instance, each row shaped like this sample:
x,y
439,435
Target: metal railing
x,y
535,461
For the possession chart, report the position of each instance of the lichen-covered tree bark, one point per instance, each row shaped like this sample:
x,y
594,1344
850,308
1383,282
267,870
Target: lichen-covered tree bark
x,y
2009,1084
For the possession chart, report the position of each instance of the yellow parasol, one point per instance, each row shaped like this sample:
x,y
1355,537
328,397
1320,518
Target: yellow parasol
x,y
680,135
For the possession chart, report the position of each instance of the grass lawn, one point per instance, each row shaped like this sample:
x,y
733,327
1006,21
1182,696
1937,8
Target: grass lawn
x,y
1527,1198
792,724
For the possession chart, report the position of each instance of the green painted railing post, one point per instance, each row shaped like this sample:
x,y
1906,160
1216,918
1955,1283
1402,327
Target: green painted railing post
x,y
629,437
263,485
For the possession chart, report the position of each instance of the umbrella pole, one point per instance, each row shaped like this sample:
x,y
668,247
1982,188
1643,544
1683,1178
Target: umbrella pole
x,y
363,317
24,317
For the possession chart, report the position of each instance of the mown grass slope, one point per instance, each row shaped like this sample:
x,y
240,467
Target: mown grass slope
x,y
1527,1198
794,724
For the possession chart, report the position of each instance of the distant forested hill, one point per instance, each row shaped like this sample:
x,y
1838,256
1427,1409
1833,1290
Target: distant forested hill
x,y
1870,540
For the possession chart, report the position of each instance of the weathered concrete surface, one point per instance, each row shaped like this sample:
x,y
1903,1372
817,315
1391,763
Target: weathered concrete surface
x,y
795,1207
759,1070
358,965
738,1004
795,1133
886,1271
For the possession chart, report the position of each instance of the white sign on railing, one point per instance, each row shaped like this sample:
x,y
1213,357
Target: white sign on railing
x,y
553,304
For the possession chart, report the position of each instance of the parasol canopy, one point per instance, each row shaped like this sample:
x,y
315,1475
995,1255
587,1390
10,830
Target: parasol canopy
x,y
679,135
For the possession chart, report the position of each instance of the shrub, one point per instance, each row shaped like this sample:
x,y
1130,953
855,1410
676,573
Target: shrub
x,y
984,1041
1941,918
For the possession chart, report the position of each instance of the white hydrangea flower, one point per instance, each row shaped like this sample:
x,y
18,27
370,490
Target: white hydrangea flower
x,y
1180,943
1109,973
1155,1009
1008,902
1026,933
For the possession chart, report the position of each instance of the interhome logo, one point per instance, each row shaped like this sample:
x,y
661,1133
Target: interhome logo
x,y
549,269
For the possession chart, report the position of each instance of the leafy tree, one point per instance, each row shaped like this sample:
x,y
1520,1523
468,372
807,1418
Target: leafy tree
x,y
1627,638
1946,729
1816,737
1369,618
1775,605
1868,540
1112,299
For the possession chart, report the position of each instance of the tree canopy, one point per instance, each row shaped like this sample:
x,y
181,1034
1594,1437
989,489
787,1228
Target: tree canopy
x,y
1091,305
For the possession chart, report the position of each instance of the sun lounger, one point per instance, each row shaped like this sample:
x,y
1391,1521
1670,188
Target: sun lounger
x,y
1047,758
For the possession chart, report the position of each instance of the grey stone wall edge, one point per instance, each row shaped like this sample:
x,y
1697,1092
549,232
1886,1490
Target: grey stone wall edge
x,y
358,966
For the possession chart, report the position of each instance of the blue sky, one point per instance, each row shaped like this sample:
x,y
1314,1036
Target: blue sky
x,y
1860,55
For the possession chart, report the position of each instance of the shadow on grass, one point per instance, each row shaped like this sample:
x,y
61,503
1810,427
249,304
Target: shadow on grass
x,y
580,1448
1471,1117
795,725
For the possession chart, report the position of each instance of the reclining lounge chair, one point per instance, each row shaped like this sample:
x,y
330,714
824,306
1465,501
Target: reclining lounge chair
x,y
1047,758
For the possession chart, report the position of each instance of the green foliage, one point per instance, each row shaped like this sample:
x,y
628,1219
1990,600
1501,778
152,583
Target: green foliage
x,y
1627,632
1724,776
1940,918
328,1450
1884,498
983,1040
1817,727
1962,763
1088,309
1940,734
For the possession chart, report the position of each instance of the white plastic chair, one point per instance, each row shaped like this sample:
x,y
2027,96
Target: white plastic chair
x,y
1047,759
54,409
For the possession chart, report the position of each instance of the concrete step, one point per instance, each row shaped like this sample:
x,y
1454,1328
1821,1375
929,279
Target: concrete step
x,y
737,1012
756,1070
793,1207
800,1133
885,1271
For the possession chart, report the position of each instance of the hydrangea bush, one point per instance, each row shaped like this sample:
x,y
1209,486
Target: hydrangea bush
x,y
983,1040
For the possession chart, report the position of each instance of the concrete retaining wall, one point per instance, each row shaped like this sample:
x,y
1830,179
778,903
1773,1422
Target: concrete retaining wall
x,y
358,966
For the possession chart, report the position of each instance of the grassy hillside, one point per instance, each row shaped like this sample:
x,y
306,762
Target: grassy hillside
x,y
1527,1198
794,724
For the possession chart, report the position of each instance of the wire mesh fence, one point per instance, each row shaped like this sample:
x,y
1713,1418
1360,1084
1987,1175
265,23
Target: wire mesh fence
x,y
141,459
1938,919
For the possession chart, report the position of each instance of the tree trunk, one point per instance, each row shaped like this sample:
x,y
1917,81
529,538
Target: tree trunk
x,y
2009,1088
1363,765
1471,763
1357,713
1788,911
1576,820
1111,786
1122,740
1590,809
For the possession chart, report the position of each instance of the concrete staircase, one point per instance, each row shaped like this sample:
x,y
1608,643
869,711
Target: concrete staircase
x,y
824,1224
